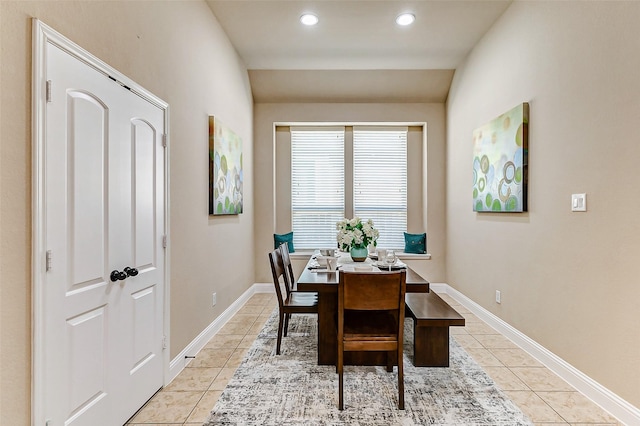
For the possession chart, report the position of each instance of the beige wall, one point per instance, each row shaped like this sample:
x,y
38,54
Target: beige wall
x,y
267,193
178,51
570,281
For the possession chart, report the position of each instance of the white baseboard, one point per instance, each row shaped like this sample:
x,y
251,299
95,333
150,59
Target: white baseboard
x,y
439,287
180,362
609,401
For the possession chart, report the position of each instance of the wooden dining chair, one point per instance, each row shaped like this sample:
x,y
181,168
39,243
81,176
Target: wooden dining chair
x,y
371,318
291,302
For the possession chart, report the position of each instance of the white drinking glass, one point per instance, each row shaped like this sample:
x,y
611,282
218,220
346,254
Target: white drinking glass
x,y
390,258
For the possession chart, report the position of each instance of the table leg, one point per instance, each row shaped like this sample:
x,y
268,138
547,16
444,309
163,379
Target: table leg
x,y
327,326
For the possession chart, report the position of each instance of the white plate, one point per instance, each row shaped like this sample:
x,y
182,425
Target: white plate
x,y
363,268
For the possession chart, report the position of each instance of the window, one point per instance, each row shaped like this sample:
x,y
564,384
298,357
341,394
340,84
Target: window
x,y
380,181
317,186
320,185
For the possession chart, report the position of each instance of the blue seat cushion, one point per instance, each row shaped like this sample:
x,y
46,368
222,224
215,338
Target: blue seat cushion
x,y
415,243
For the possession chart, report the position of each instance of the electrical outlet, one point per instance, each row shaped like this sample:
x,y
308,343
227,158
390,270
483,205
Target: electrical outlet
x,y
498,296
214,299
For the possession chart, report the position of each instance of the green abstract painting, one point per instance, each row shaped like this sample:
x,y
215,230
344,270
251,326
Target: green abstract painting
x,y
225,170
500,150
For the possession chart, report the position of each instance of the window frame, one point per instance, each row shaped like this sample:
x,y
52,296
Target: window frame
x,y
417,173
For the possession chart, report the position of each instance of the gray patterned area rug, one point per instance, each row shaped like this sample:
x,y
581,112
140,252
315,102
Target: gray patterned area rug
x,y
291,389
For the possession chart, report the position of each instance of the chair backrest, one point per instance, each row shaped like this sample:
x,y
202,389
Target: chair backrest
x,y
372,291
290,279
277,271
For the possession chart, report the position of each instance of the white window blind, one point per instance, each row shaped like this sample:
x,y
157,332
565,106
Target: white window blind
x,y
317,186
380,181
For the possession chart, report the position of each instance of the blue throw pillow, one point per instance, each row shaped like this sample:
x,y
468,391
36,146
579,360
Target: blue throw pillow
x,y
415,243
283,238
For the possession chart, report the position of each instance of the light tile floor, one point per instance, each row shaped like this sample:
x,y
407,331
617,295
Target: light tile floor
x,y
540,394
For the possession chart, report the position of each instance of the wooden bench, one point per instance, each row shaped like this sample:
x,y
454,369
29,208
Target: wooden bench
x,y
432,318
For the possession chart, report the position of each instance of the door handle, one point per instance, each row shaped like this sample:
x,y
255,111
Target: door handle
x,y
121,276
117,275
132,272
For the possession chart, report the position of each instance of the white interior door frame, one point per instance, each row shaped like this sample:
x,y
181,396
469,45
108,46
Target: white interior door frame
x,y
43,34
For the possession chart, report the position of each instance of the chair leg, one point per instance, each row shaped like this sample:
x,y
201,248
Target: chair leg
x,y
280,323
340,368
286,323
389,358
400,381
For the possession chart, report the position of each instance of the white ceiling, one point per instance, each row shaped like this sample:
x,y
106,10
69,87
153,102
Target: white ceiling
x,y
355,46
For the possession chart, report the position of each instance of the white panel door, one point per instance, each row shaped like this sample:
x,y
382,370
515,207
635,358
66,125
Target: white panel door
x,y
104,212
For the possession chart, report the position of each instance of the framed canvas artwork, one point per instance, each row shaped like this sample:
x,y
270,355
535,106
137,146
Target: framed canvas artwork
x,y
225,170
500,163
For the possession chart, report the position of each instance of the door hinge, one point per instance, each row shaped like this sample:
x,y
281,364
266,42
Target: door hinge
x,y
164,140
164,241
48,91
164,342
48,261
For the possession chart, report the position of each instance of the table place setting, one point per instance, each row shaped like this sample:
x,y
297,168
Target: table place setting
x,y
384,266
324,261
343,262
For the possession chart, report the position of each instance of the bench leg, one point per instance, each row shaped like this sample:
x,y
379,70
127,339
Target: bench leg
x,y
430,346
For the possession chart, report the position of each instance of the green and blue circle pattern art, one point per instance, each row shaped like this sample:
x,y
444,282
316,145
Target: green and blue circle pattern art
x,y
499,163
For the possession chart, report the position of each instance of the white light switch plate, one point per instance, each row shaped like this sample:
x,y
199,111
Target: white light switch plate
x,y
578,202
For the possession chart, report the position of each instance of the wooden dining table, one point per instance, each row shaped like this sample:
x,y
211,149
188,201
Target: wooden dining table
x,y
326,285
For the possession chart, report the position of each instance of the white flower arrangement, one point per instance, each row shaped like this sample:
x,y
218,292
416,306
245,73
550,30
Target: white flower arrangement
x,y
356,233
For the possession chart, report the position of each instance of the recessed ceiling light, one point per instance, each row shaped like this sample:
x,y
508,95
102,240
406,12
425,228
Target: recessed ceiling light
x,y
309,19
405,19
